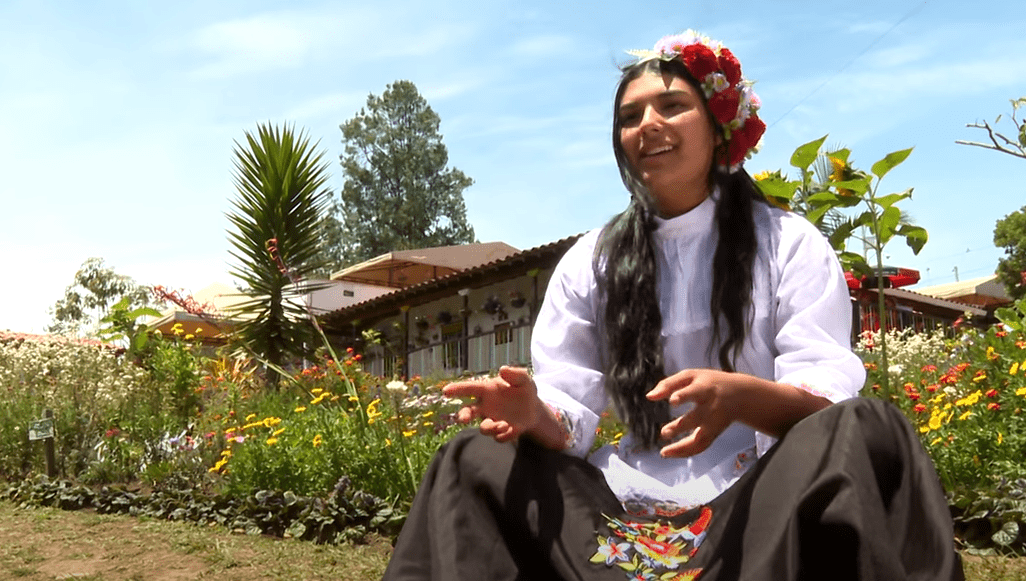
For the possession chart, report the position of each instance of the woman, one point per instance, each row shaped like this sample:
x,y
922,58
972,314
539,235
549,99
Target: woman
x,y
716,325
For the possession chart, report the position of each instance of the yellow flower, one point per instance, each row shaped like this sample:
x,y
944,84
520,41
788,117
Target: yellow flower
x,y
388,442
300,409
354,399
936,441
991,354
271,421
427,424
935,422
316,390
1014,368
427,414
965,416
190,337
980,376
1020,391
272,441
410,433
764,174
1000,438
177,329
318,440
970,399
250,417
278,432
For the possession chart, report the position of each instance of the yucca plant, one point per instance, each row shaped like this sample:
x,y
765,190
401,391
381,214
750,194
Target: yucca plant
x,y
277,218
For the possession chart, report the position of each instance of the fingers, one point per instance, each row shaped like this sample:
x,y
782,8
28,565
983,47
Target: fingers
x,y
695,443
696,431
515,376
670,387
472,388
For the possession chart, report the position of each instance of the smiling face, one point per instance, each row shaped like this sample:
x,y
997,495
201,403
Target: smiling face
x,y
668,138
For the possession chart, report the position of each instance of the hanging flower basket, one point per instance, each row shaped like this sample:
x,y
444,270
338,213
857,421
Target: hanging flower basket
x,y
517,300
492,305
444,317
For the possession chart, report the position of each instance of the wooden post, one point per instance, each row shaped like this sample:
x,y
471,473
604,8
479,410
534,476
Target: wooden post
x,y
51,459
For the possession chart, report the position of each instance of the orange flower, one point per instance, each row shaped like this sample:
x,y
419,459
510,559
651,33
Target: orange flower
x,y
993,406
919,408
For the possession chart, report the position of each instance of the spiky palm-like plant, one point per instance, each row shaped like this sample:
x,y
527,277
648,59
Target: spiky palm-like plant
x,y
277,218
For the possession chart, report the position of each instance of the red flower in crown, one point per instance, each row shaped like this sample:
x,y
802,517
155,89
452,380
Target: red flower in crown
x,y
724,105
730,66
700,60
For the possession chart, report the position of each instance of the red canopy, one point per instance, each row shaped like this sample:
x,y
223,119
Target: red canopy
x,y
895,278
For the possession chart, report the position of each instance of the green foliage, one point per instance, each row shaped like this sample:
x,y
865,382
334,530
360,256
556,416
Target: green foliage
x,y
121,325
398,193
849,188
346,515
277,218
95,288
1010,234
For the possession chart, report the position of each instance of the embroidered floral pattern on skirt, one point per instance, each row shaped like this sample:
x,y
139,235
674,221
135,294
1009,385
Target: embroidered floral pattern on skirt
x,y
652,550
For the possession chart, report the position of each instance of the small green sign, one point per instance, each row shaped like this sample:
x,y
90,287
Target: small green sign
x,y
41,429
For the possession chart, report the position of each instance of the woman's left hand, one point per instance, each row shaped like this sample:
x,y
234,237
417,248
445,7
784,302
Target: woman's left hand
x,y
712,393
721,398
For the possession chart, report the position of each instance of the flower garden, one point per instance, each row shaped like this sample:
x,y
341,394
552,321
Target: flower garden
x,y
334,453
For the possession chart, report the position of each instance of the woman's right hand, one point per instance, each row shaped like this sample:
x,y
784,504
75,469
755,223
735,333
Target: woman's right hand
x,y
507,404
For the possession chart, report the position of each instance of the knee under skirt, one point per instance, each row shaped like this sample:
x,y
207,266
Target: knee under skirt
x,y
848,493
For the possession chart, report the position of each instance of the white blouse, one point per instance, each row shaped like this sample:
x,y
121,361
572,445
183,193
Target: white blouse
x,y
800,335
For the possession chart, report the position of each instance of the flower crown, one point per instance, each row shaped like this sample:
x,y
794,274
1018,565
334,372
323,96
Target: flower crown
x,y
729,95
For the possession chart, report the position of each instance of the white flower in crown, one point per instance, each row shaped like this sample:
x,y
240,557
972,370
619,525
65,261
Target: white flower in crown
x,y
718,81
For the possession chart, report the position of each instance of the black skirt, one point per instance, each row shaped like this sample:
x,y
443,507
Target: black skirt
x,y
848,493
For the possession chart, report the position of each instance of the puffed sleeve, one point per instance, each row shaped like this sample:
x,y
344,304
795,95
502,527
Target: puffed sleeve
x,y
566,347
813,316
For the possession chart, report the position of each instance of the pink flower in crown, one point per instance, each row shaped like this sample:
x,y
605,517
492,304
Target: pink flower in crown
x,y
673,44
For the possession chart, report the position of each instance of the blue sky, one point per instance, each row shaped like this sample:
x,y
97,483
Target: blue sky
x,y
118,118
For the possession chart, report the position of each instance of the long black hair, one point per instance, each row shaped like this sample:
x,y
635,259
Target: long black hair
x,y
625,267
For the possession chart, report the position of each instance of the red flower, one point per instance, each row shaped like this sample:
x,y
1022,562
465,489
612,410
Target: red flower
x,y
929,368
1001,334
993,406
919,408
992,393
730,66
724,105
932,388
700,60
744,139
914,396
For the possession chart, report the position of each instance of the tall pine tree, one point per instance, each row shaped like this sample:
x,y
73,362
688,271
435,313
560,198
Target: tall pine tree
x,y
398,193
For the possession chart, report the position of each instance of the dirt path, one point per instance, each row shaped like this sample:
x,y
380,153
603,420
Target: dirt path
x,y
46,544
